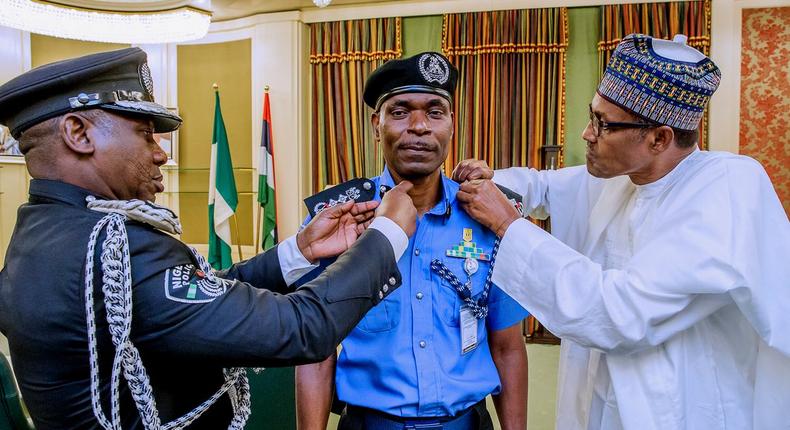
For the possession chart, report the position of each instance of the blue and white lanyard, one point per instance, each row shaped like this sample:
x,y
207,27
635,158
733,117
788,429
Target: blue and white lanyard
x,y
478,306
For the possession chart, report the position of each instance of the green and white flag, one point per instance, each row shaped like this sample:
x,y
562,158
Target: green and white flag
x,y
266,179
222,198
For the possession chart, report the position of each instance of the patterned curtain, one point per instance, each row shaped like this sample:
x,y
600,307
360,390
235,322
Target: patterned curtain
x,y
661,20
510,99
342,55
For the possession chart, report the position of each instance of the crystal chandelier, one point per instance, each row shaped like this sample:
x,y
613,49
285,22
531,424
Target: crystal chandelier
x,y
322,3
167,26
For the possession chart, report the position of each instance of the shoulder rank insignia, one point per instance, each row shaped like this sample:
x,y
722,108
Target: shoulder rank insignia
x,y
188,284
359,190
514,197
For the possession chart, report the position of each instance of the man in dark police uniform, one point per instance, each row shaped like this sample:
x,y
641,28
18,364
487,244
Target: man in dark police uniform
x,y
113,323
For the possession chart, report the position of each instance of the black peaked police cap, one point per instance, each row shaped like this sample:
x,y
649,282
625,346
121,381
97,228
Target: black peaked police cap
x,y
119,81
428,72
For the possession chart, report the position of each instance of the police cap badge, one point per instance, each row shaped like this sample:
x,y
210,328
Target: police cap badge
x,y
428,72
119,81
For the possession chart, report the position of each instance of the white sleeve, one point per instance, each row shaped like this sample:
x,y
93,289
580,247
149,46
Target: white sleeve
x,y
394,234
721,243
294,265
533,185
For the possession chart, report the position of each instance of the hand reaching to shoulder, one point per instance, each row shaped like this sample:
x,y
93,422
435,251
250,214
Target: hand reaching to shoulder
x,y
335,229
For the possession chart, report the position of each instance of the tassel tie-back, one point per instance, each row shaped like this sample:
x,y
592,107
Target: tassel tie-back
x,y
117,288
388,54
507,48
694,41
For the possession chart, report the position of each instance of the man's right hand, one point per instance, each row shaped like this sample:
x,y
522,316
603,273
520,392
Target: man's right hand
x,y
398,206
471,169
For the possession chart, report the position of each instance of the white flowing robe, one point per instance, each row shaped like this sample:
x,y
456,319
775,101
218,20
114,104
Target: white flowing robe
x,y
672,299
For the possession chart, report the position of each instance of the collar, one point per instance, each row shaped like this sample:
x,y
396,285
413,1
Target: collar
x,y
449,190
60,191
652,189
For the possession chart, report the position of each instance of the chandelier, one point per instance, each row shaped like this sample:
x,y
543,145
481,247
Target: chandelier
x,y
138,27
322,3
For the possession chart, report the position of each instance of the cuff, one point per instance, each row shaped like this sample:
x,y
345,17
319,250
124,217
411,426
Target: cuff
x,y
396,236
292,262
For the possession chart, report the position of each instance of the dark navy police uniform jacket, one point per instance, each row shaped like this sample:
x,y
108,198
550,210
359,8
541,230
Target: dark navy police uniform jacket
x,y
185,337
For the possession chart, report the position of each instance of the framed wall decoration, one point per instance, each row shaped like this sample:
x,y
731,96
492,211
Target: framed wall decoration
x,y
169,142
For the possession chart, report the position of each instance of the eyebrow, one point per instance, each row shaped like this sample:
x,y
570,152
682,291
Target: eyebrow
x,y
438,101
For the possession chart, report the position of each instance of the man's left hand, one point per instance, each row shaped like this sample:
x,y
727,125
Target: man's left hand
x,y
483,201
335,229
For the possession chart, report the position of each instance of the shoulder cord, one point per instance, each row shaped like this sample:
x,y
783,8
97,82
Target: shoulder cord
x,y
478,306
118,302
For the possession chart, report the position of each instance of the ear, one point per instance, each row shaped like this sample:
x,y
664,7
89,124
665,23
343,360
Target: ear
x,y
374,121
74,130
663,139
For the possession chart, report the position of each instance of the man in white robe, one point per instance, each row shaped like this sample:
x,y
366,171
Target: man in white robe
x,y
667,271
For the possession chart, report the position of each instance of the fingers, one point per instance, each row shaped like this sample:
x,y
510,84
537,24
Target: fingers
x,y
363,207
472,169
404,187
336,211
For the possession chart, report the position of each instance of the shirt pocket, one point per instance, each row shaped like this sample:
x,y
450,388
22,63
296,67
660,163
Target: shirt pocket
x,y
384,316
449,302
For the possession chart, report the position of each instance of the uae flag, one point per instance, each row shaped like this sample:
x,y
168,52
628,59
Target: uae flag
x,y
222,198
266,179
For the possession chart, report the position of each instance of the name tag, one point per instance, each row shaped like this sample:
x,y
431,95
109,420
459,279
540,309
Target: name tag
x,y
468,330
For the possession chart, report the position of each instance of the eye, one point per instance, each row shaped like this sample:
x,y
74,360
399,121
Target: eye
x,y
436,113
399,113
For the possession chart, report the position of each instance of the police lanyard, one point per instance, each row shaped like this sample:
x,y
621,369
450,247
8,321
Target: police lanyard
x,y
479,305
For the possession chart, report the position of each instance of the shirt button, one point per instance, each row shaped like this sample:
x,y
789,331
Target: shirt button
x,y
419,296
417,252
385,288
392,281
381,295
422,344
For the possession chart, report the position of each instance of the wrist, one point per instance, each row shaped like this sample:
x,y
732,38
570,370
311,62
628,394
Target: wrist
x,y
304,247
501,229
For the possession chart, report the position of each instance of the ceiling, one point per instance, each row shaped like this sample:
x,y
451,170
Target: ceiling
x,y
222,9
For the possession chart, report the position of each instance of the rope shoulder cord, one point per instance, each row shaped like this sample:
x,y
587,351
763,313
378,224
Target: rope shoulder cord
x,y
117,288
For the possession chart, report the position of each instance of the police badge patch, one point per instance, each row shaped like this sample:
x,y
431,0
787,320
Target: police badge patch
x,y
433,68
188,284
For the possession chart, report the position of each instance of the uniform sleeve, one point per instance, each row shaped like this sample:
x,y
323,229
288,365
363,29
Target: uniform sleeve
x,y
503,310
715,244
232,323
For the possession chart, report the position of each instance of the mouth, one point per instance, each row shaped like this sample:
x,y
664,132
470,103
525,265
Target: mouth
x,y
160,187
416,148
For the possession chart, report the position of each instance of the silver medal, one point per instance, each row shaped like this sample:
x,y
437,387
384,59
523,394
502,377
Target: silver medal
x,y
470,266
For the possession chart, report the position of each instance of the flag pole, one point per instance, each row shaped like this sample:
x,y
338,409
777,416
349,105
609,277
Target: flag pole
x,y
238,238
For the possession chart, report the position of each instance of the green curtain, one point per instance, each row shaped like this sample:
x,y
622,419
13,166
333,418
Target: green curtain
x,y
342,55
510,98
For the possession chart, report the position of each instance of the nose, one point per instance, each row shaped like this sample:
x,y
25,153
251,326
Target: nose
x,y
418,123
159,155
588,134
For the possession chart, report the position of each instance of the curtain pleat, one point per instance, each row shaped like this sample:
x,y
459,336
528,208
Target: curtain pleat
x,y
510,97
342,55
660,20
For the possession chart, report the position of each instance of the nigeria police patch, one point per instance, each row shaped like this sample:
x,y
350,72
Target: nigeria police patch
x,y
188,284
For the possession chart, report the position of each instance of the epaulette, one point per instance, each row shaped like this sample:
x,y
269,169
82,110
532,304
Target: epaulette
x,y
514,197
359,190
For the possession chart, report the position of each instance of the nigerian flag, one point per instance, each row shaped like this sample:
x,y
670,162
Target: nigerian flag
x,y
266,179
222,198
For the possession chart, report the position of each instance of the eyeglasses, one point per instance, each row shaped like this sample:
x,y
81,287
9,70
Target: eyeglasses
x,y
599,126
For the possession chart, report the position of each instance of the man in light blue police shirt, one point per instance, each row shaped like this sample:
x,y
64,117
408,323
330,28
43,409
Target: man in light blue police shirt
x,y
430,353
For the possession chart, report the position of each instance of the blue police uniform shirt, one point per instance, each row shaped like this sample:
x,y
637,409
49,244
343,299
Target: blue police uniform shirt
x,y
404,358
